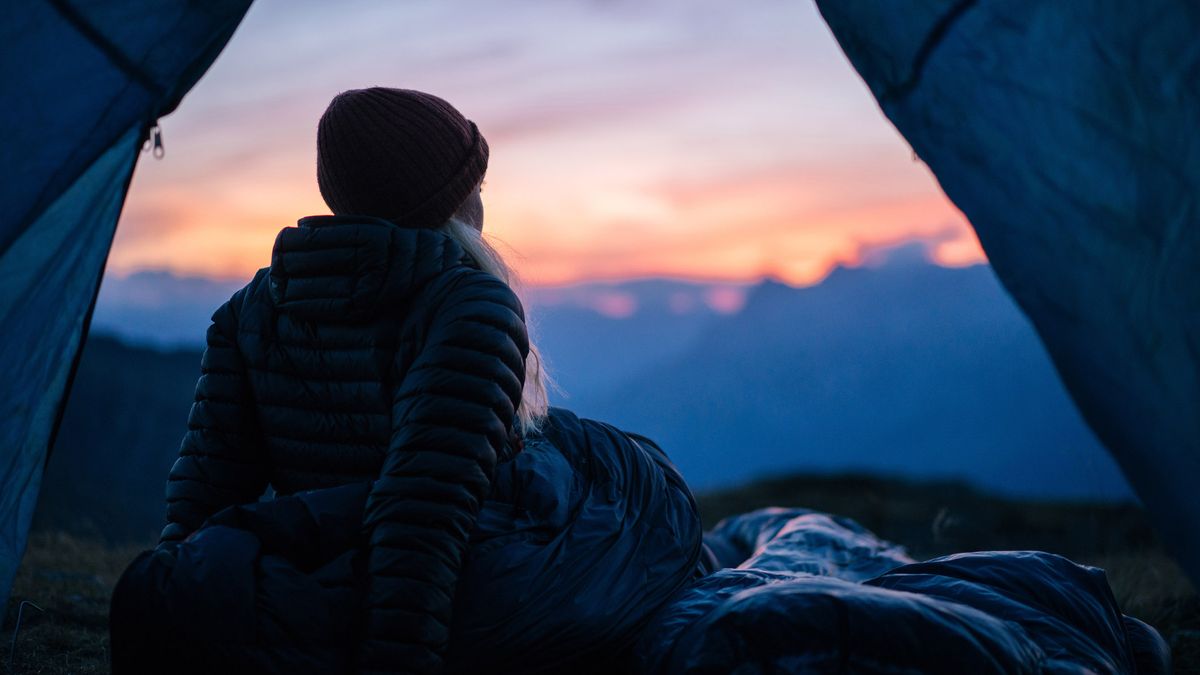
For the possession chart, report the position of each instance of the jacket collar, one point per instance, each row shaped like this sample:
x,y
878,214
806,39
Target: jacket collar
x,y
350,268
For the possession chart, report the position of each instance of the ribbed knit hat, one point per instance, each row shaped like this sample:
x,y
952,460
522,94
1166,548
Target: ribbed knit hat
x,y
398,154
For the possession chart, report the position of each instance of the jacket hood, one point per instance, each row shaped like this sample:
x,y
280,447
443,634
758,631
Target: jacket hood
x,y
346,268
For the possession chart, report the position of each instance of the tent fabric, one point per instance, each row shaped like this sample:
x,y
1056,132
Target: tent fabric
x,y
822,594
55,264
82,83
1066,133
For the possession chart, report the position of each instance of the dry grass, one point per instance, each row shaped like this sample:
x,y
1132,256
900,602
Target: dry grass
x,y
1151,587
71,579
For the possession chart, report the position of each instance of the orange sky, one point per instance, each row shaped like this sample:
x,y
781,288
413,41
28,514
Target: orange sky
x,y
698,139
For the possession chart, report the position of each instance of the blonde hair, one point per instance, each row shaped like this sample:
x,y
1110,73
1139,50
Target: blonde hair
x,y
535,399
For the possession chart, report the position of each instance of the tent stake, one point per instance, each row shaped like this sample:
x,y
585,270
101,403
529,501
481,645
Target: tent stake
x,y
12,647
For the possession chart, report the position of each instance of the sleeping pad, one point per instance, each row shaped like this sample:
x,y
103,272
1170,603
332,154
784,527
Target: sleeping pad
x,y
805,592
588,531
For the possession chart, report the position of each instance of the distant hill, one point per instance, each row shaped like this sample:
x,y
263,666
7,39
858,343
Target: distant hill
x,y
158,308
120,434
597,336
908,369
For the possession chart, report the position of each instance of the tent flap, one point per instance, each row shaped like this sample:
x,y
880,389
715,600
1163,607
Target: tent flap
x,y
1066,133
82,82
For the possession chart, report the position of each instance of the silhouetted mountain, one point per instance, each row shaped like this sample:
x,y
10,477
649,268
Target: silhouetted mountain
x,y
907,369
590,351
159,308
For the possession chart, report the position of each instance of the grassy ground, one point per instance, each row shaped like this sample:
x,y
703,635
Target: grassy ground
x,y
71,578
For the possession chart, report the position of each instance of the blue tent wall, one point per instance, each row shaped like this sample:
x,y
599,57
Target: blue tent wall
x,y
82,82
1069,135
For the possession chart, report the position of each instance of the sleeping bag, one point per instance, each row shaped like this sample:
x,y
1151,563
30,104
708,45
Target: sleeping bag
x,y
813,593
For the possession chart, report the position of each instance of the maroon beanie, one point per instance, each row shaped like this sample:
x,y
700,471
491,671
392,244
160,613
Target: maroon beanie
x,y
398,154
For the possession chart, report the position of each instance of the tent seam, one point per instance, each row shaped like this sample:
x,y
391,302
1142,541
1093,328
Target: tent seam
x,y
935,38
118,58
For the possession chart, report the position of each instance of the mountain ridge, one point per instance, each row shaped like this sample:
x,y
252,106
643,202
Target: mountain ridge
x,y
907,370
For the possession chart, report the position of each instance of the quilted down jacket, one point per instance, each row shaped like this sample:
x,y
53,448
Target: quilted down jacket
x,y
366,351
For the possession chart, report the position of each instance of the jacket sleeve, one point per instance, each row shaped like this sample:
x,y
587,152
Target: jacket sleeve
x,y
452,413
220,460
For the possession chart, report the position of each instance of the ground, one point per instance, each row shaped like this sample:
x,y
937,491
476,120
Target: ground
x,y
70,578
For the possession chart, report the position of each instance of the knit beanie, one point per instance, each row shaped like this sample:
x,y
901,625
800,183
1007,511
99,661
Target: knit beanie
x,y
398,154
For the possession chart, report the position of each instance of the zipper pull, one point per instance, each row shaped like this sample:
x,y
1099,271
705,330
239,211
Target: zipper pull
x,y
154,143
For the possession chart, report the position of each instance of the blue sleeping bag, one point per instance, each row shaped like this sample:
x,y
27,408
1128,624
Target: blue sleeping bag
x,y
806,592
588,531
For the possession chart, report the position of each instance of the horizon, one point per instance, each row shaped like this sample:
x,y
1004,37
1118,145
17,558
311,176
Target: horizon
x,y
873,257
611,298
162,307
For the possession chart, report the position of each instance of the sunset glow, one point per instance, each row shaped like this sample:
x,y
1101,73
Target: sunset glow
x,y
702,140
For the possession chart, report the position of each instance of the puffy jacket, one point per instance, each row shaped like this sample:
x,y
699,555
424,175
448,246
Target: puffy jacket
x,y
365,351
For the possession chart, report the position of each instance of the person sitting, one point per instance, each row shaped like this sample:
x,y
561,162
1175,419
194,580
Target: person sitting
x,y
382,360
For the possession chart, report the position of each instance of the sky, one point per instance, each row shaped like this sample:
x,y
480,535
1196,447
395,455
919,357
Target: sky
x,y
699,139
